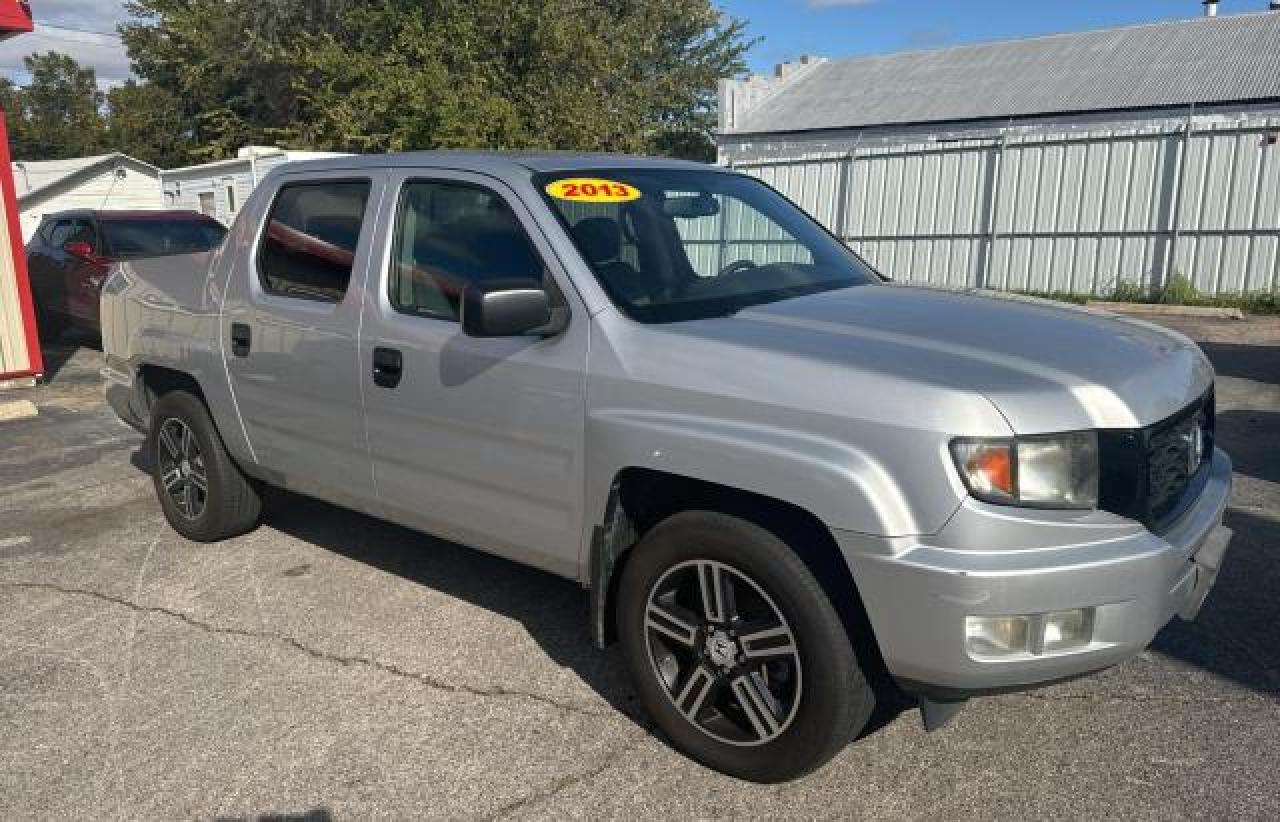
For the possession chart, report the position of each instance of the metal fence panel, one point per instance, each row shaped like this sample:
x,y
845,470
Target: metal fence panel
x,y
1071,210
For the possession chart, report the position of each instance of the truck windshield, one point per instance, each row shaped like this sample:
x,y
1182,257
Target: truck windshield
x,y
134,239
670,245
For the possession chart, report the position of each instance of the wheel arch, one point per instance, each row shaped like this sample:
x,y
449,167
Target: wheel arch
x,y
640,498
153,380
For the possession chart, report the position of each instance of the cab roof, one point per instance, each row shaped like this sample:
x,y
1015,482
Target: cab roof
x,y
496,163
138,214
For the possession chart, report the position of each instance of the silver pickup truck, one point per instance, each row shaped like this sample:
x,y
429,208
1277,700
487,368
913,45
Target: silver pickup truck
x,y
791,488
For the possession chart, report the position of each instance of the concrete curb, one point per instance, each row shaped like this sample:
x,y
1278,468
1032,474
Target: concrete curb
x,y
1203,311
19,410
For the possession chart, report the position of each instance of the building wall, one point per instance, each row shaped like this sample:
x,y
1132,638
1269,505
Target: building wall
x,y
105,190
15,356
221,189
1076,207
20,355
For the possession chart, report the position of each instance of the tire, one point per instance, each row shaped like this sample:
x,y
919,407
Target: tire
x,y
229,504
810,696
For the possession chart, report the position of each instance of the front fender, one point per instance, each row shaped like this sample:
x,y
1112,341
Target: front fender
x,y
843,486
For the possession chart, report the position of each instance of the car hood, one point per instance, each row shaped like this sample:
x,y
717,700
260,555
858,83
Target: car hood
x,y
1046,366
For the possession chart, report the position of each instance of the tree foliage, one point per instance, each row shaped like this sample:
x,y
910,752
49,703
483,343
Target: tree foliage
x,y
62,113
379,75
58,114
388,75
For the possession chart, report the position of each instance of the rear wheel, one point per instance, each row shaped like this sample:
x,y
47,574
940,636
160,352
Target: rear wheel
x,y
204,494
736,651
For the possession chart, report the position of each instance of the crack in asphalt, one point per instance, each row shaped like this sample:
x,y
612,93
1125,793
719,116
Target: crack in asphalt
x,y
562,785
295,644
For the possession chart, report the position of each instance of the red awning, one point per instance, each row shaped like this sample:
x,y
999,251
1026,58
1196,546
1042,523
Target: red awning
x,y
15,18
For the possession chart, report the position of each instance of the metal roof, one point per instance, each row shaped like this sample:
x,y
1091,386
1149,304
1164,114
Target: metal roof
x,y
33,180
1225,59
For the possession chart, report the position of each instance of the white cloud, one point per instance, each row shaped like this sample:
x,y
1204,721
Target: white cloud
x,y
104,52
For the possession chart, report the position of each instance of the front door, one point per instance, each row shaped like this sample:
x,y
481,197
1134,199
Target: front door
x,y
45,264
289,330
478,440
84,276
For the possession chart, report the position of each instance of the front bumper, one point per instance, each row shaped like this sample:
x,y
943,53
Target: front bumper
x,y
994,561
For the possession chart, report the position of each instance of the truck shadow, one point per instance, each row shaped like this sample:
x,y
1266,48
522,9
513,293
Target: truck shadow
x,y
554,611
1252,438
1260,363
1235,635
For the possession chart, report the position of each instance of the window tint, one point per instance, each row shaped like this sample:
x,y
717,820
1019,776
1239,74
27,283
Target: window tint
x,y
151,237
310,243
82,231
687,244
449,236
59,233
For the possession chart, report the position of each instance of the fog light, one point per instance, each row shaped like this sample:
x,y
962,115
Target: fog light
x,y
1068,629
997,636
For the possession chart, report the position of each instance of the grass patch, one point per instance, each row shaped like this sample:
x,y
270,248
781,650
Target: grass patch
x,y
1178,291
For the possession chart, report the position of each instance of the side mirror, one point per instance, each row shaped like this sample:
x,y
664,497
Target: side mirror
x,y
81,249
512,308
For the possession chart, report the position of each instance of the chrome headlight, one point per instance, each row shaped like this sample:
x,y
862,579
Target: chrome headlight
x,y
1056,471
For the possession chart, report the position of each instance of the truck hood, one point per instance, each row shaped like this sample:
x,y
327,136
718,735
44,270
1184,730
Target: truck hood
x,y
1046,366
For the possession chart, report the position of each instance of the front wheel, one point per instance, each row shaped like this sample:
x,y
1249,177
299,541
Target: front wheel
x,y
204,494
736,651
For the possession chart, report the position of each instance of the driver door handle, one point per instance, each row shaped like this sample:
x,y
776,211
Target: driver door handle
x,y
388,367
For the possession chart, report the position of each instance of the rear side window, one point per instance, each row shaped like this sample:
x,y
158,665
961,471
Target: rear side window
x,y
59,233
449,236
309,247
136,239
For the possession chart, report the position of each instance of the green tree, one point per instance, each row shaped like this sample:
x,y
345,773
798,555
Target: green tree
x,y
232,63
147,122
59,113
377,75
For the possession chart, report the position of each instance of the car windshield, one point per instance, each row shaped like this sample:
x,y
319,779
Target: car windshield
x,y
154,237
681,244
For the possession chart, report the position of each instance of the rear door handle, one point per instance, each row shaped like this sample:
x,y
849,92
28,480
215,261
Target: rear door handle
x,y
241,339
388,367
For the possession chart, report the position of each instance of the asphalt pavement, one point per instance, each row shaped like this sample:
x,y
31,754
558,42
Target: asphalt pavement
x,y
331,666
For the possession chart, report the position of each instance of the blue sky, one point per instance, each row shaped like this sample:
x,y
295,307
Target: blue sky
x,y
841,28
789,28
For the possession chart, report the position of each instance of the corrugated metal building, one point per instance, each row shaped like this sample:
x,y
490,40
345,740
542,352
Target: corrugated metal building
x,y
109,181
220,189
1070,162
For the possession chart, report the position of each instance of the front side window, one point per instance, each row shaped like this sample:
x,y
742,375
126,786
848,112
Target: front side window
x,y
684,244
82,231
309,247
452,235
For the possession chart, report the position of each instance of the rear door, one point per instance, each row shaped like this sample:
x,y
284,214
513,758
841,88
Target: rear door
x,y
289,331
478,440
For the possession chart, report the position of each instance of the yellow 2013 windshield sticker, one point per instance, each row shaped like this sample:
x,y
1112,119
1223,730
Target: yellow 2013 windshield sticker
x,y
592,190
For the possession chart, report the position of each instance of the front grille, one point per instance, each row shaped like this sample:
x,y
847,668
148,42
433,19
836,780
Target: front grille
x,y
1151,474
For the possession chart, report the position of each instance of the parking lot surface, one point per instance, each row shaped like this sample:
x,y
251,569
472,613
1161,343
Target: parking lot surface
x,y
333,666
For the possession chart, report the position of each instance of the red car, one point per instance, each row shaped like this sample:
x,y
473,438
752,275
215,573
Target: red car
x,y
70,254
